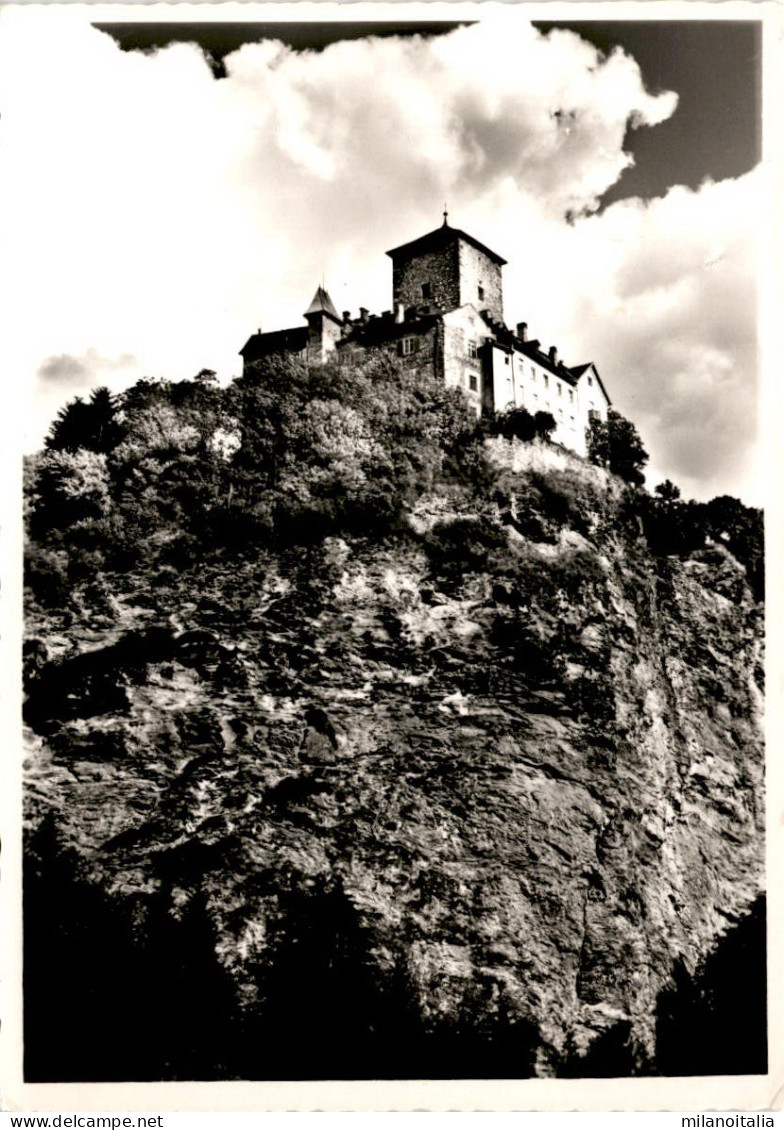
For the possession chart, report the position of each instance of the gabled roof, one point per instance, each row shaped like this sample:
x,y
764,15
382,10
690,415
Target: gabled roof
x,y
578,371
505,339
438,239
322,304
278,341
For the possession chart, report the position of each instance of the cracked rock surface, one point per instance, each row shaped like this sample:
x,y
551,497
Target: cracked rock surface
x,y
359,809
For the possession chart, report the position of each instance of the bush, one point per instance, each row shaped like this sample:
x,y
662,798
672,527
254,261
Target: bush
x,y
463,545
572,571
46,575
544,425
518,423
566,497
69,487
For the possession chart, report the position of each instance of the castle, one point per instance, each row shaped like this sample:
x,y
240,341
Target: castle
x,y
447,318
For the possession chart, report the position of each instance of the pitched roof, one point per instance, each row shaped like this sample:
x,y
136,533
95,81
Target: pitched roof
x,y
531,348
578,370
378,330
322,304
439,238
278,341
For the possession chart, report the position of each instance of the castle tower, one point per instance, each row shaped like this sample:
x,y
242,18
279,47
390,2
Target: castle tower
x,y
324,327
446,269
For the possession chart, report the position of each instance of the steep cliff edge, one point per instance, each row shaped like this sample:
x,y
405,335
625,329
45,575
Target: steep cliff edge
x,y
464,801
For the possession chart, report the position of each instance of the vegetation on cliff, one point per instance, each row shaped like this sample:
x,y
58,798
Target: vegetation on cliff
x,y
364,745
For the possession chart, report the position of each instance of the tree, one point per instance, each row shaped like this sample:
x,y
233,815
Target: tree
x,y
344,445
672,525
668,491
91,426
740,528
516,423
69,488
544,425
616,444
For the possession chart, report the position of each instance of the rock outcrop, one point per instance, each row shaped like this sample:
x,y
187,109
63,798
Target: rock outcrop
x,y
473,800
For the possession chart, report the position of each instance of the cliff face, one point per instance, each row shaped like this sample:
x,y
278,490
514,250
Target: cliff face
x,y
468,801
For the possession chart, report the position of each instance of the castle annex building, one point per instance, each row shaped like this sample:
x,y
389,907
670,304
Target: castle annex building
x,y
447,318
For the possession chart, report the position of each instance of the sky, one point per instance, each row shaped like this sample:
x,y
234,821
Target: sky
x,y
159,206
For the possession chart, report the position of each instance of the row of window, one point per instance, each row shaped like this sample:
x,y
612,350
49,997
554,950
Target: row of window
x,y
546,380
409,345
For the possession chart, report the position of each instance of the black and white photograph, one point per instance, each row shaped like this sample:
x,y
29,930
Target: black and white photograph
x,y
386,400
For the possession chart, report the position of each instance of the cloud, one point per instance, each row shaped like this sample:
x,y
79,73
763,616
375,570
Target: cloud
x,y
159,213
664,299
65,371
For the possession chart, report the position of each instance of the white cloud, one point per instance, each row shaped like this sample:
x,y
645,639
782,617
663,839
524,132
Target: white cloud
x,y
158,214
664,298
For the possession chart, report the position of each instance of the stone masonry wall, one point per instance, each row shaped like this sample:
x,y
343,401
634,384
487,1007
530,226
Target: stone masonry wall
x,y
439,269
323,336
422,359
461,327
477,269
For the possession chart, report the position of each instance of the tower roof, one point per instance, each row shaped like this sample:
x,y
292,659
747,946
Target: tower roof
x,y
439,238
322,304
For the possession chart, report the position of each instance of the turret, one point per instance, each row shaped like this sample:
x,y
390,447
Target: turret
x,y
325,327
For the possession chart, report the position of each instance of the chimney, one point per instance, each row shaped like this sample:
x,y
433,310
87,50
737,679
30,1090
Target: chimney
x,y
553,355
363,313
346,316
522,331
400,312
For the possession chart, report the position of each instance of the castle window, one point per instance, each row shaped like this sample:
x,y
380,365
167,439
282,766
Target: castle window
x,y
571,394
473,382
590,380
426,290
560,413
546,380
533,374
480,292
472,350
408,346
560,389
506,358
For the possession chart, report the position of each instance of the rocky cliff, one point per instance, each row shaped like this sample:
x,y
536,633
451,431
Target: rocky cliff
x,y
482,798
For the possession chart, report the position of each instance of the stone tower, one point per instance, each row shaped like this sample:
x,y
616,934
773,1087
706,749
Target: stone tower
x,y
444,270
324,327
